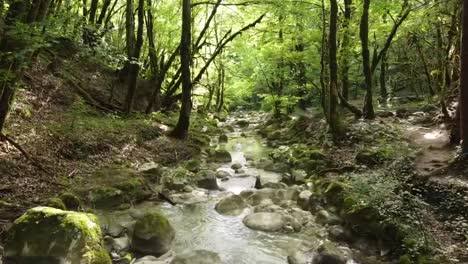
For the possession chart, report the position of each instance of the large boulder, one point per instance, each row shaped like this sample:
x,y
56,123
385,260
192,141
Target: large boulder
x,y
153,234
176,179
197,257
221,156
268,222
48,235
112,187
206,179
231,205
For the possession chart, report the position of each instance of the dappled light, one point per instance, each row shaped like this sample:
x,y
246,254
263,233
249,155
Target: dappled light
x,y
233,132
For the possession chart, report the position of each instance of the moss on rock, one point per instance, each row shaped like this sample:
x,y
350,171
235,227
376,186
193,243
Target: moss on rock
x,y
55,236
153,234
55,202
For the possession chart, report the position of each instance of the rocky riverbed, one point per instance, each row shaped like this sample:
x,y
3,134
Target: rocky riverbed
x,y
237,204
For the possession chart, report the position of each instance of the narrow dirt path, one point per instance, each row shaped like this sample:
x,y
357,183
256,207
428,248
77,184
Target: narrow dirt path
x,y
435,151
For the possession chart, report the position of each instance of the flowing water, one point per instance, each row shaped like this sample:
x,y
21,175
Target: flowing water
x,y
199,226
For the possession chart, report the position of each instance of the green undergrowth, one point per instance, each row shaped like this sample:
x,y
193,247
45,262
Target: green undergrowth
x,y
86,132
378,204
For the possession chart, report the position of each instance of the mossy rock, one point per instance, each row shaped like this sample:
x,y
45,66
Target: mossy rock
x,y
176,179
106,197
193,165
49,235
153,234
55,202
221,156
111,187
231,205
71,201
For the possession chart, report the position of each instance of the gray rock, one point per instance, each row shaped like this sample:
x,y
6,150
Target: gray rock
x,y
188,189
297,258
326,258
339,233
324,217
303,199
221,156
119,245
223,174
231,205
206,179
164,259
153,234
290,193
236,166
268,222
299,175
257,197
246,194
197,257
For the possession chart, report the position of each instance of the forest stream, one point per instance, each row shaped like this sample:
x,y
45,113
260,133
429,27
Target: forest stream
x,y
200,227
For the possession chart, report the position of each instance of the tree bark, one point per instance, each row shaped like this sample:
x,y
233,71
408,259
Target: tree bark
x,y
463,104
383,80
323,90
345,50
92,11
17,13
333,65
182,127
368,110
134,67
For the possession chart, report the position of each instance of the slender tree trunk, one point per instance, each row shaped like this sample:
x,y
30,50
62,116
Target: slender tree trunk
x,y
368,110
333,65
383,80
134,67
345,50
182,127
426,70
323,92
463,104
222,88
104,9
93,10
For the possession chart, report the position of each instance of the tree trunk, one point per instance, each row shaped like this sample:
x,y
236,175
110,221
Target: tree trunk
x,y
182,127
323,90
345,50
92,11
33,11
383,80
43,10
333,66
222,89
368,110
17,13
134,67
104,9
463,104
